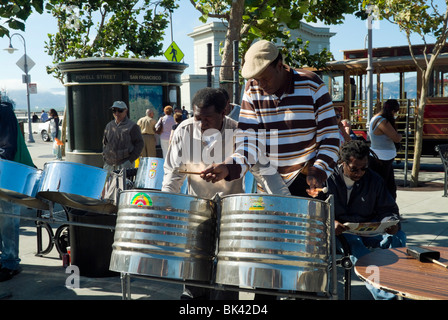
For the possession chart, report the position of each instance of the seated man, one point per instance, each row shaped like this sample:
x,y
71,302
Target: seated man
x,y
360,195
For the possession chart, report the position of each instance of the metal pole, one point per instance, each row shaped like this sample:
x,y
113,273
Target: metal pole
x,y
236,73
369,72
209,65
27,82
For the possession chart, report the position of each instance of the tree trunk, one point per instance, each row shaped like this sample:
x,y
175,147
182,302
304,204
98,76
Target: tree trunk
x,y
233,33
419,129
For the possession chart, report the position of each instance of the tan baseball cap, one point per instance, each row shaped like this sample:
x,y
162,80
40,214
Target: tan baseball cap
x,y
258,58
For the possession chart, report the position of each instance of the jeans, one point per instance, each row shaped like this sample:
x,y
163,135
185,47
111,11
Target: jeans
x,y
9,235
359,247
56,148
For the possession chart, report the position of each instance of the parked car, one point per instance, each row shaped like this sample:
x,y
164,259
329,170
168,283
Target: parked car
x,y
44,129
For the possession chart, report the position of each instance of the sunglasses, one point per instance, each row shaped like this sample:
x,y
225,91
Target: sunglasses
x,y
117,110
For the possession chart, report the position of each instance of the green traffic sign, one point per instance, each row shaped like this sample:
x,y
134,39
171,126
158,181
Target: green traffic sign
x,y
173,53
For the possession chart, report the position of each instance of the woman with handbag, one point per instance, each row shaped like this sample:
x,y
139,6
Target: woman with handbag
x,y
55,133
164,127
384,137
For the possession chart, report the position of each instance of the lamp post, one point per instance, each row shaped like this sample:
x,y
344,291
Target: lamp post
x,y
11,50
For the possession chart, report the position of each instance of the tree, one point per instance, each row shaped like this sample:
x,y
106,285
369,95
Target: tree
x,y
95,28
423,18
270,19
16,12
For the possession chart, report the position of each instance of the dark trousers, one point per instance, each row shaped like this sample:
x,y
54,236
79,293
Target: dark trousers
x,y
386,170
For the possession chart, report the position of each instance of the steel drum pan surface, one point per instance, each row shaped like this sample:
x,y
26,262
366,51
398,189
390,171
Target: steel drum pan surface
x,y
164,235
20,183
75,185
274,242
149,173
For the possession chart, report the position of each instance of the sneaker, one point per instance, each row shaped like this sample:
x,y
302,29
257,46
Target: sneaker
x,y
7,274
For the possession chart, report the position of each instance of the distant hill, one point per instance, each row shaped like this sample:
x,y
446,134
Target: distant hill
x,y
47,100
42,100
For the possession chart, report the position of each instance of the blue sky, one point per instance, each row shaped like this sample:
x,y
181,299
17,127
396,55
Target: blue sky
x,y
349,35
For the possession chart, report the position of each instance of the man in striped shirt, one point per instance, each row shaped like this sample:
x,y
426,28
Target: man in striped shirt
x,y
294,111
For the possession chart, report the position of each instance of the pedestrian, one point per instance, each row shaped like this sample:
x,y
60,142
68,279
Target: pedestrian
x,y
55,133
147,126
184,113
360,195
12,148
294,107
164,127
43,116
122,140
383,137
177,119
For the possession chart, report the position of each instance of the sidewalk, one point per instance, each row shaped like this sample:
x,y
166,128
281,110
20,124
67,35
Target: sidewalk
x,y
43,277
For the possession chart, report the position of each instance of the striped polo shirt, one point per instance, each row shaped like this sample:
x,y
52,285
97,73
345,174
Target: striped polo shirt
x,y
293,130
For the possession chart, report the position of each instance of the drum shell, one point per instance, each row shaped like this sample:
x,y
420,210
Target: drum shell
x,y
274,242
80,180
167,236
19,180
149,173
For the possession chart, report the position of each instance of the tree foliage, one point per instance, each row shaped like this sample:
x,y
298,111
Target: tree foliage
x,y
13,14
94,28
273,20
423,18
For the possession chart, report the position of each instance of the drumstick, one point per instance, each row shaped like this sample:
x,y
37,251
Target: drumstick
x,y
188,172
324,189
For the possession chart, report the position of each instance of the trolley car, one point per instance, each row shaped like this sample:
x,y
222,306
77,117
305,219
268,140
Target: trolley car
x,y
346,80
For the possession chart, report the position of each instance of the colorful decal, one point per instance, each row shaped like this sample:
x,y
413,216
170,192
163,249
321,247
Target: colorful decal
x,y
152,174
141,199
154,164
256,204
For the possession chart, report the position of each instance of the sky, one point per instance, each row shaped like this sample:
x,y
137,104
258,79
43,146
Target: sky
x,y
349,35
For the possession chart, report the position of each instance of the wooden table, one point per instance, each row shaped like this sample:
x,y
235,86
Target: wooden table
x,y
394,271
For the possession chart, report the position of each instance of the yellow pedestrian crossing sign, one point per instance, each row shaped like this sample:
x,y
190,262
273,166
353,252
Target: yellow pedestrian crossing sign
x,y
173,53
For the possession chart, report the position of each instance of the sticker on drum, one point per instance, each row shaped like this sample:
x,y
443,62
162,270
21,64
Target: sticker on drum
x,y
141,200
256,203
154,164
152,173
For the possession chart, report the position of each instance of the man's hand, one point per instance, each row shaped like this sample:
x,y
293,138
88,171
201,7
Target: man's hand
x,y
339,227
215,173
392,230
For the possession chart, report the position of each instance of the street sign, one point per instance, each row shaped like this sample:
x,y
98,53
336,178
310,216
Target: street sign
x,y
21,63
33,88
173,53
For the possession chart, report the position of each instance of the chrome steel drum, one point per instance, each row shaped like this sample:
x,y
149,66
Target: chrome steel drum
x,y
164,235
19,183
75,185
274,242
149,174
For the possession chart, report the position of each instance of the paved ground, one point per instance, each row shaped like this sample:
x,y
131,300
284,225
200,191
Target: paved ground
x,y
44,278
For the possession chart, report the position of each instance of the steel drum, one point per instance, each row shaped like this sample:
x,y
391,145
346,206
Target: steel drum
x,y
75,185
149,174
20,183
164,235
274,242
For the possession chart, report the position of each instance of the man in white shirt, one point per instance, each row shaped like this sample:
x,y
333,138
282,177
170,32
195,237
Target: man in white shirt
x,y
197,142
